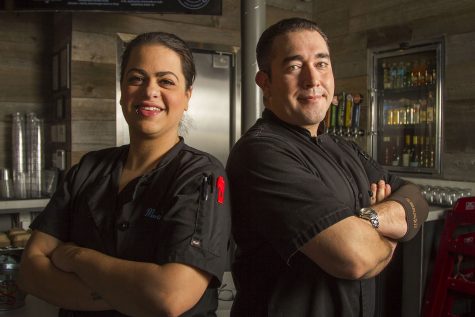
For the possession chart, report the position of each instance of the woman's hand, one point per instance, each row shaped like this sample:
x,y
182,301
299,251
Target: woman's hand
x,y
63,256
380,191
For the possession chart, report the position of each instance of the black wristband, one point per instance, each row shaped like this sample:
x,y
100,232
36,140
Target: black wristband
x,y
415,206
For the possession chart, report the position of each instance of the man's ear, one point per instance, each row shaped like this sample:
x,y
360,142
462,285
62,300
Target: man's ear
x,y
263,81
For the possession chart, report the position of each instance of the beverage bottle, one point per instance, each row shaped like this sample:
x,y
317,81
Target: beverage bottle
x,y
414,71
386,147
348,110
430,108
393,75
386,77
423,111
421,80
415,153
407,151
407,75
434,75
401,71
422,151
416,108
396,159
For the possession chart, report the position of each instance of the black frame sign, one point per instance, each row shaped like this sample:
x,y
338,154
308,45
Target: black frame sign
x,y
204,7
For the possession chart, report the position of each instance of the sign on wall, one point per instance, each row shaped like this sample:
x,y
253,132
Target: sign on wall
x,y
204,7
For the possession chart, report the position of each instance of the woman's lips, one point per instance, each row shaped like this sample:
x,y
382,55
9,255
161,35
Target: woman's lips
x,y
148,111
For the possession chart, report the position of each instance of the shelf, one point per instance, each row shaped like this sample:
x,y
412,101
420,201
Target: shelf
x,y
15,206
406,91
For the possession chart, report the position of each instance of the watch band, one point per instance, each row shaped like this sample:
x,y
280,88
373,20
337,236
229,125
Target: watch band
x,y
369,214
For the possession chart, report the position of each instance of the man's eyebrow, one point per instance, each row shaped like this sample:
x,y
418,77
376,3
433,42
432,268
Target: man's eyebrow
x,y
300,57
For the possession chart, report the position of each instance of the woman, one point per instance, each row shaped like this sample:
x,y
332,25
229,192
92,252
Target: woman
x,y
142,229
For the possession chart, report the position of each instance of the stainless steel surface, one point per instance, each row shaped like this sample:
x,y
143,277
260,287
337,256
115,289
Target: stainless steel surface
x,y
209,114
253,20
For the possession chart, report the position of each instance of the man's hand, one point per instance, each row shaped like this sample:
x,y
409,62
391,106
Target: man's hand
x,y
380,191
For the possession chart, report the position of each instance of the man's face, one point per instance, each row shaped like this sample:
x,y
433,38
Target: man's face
x,y
301,84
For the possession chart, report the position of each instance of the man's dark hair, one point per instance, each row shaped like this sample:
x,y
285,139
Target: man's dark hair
x,y
264,46
168,40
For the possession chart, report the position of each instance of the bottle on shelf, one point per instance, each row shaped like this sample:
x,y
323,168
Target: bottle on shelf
x,y
407,151
407,75
414,162
421,79
387,150
396,158
430,108
414,73
401,75
386,76
393,75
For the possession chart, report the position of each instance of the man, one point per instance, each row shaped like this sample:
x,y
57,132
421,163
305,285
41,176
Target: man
x,y
307,245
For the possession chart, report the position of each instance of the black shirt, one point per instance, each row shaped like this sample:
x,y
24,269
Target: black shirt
x,y
286,188
179,212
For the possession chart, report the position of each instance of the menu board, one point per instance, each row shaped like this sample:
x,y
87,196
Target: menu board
x,y
205,7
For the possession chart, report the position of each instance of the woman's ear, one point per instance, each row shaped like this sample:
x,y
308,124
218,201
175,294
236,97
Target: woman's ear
x,y
188,94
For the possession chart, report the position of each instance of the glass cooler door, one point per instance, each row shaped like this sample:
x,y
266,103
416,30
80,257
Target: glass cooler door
x,y
406,108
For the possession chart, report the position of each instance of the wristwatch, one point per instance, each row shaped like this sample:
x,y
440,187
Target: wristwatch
x,y
369,214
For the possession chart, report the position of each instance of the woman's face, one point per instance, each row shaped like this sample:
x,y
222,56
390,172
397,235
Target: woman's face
x,y
153,93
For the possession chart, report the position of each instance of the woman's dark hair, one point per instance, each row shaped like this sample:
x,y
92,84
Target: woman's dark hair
x,y
264,46
168,40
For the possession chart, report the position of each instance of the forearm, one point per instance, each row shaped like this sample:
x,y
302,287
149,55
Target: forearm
x,y
138,288
39,277
350,249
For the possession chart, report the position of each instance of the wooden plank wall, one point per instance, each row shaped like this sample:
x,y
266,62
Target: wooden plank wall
x,y
356,26
25,71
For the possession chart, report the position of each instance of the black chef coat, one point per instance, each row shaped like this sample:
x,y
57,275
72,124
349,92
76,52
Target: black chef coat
x,y
179,212
286,188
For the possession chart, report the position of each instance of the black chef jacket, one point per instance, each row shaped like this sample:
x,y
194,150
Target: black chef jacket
x,y
179,212
286,188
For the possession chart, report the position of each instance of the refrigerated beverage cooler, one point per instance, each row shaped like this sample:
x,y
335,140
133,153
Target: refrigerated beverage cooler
x,y
406,95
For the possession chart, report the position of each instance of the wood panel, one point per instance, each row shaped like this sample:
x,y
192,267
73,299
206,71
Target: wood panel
x,y
459,81
93,109
459,166
459,120
94,47
92,135
93,80
135,24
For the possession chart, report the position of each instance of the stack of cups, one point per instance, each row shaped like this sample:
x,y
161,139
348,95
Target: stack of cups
x,y
6,186
34,136
18,157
